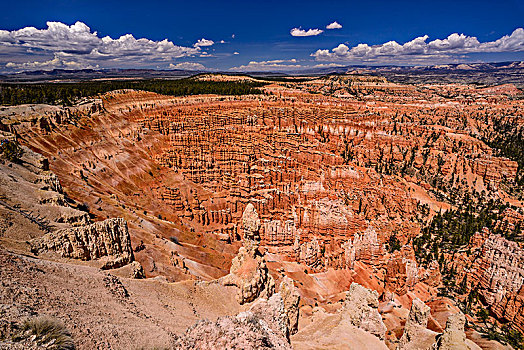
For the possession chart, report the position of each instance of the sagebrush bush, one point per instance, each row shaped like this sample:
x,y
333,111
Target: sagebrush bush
x,y
49,331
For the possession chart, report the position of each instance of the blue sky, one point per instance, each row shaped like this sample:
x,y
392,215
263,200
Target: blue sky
x,y
239,32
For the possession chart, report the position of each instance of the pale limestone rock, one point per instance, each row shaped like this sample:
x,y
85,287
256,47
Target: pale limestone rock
x,y
108,239
415,329
250,223
361,307
137,271
250,274
273,312
291,299
453,337
244,331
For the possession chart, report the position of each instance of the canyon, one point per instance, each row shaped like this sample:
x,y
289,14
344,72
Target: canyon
x,y
288,219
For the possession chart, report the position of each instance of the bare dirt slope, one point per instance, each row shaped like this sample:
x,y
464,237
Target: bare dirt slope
x,y
332,331
103,311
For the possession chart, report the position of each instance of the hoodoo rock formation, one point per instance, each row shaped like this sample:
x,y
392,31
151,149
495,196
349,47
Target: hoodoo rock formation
x,y
325,212
403,272
251,225
495,269
361,308
453,337
108,239
416,335
248,269
291,299
250,274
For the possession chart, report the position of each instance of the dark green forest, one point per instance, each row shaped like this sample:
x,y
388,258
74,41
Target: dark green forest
x,y
67,93
507,138
454,228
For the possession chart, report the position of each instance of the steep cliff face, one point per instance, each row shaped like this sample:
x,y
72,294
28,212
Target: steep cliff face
x,y
108,239
403,272
495,269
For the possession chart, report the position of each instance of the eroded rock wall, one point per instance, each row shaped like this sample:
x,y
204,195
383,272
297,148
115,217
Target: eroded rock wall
x,y
107,239
496,270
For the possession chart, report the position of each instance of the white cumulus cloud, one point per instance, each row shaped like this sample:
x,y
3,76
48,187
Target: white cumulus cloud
x,y
272,65
203,42
302,32
419,50
334,25
56,62
61,45
187,66
328,65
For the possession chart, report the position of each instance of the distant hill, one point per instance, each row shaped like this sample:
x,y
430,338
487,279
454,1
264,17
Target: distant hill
x,y
493,73
91,74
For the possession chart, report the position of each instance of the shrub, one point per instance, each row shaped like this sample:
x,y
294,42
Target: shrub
x,y
393,243
47,330
513,337
83,207
11,150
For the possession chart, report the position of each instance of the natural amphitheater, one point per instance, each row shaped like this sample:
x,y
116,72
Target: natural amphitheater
x,y
223,211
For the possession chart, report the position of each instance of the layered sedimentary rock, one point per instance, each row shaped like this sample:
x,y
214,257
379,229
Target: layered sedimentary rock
x,y
361,308
108,238
306,170
364,247
291,299
32,200
415,331
248,269
502,267
272,156
244,331
332,176
403,272
495,270
453,337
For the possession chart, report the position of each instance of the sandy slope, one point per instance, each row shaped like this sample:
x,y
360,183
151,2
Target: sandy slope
x,y
104,311
332,331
